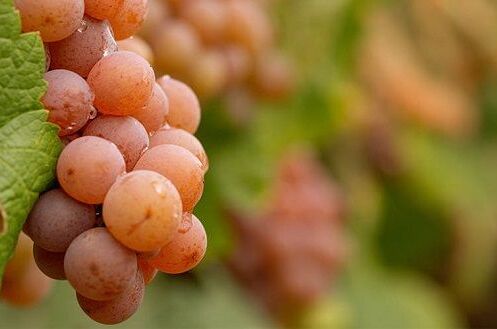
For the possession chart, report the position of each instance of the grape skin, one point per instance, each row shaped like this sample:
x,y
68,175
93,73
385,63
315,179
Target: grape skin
x,y
122,83
50,263
118,309
57,219
184,107
102,9
148,271
128,18
185,251
142,210
154,114
178,165
68,99
55,20
127,133
98,267
181,138
84,48
87,168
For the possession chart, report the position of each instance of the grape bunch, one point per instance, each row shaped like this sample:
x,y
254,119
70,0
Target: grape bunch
x,y
220,47
289,254
131,171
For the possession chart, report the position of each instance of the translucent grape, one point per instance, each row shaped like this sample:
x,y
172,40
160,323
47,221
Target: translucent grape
x,y
68,100
87,168
118,309
142,210
57,219
84,48
22,257
185,251
98,266
128,18
50,263
208,75
122,83
208,17
181,138
184,107
148,271
249,26
102,9
138,46
158,11
26,289
154,114
127,133
175,45
178,165
55,20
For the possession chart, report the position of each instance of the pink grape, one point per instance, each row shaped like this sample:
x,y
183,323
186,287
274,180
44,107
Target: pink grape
x,y
178,165
122,83
128,18
87,168
55,20
127,133
185,251
102,9
181,138
118,309
154,114
68,100
57,219
142,210
184,107
99,267
80,51
50,263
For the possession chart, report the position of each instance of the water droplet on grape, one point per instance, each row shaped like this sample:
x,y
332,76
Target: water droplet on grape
x,y
93,113
83,26
159,188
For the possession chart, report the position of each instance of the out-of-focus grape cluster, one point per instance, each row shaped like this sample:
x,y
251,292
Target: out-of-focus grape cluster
x,y
289,255
221,48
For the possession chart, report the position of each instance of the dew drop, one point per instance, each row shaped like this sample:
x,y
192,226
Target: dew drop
x,y
82,26
93,113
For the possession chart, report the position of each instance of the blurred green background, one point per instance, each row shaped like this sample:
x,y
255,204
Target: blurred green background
x,y
398,99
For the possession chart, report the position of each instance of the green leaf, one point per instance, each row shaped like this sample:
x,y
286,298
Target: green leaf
x,y
29,146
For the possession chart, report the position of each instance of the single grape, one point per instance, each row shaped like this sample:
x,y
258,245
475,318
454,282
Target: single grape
x,y
99,267
122,83
57,219
118,309
184,107
249,26
185,251
142,210
154,114
138,46
178,165
50,263
148,271
175,45
68,100
87,168
128,18
127,133
181,138
102,9
208,75
55,20
28,288
84,48
208,17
